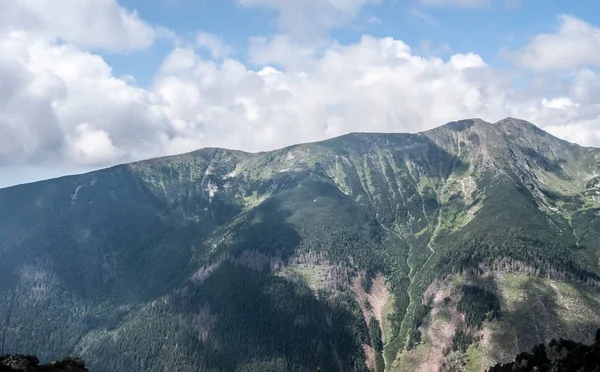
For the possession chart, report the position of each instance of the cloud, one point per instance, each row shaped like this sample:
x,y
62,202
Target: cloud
x,y
90,146
57,99
62,105
96,24
284,51
574,44
311,19
214,44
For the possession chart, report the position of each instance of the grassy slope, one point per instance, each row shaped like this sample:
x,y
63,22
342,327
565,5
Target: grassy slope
x,y
113,250
533,310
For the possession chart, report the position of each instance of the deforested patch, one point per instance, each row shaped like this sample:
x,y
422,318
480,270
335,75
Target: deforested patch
x,y
477,321
369,353
204,272
438,329
316,271
255,260
371,294
36,283
204,322
379,296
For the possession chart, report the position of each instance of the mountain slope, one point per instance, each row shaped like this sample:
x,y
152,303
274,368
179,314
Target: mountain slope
x,y
329,254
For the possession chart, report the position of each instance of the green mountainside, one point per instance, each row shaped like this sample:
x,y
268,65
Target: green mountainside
x,y
452,249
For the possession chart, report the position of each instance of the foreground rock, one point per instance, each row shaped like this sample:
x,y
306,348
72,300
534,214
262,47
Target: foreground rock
x,y
30,363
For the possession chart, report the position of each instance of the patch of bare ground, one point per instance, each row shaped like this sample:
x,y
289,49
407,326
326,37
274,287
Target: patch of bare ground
x,y
204,322
534,309
369,356
378,297
371,304
486,337
439,327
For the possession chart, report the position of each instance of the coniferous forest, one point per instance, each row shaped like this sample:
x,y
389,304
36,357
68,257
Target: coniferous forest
x,y
458,248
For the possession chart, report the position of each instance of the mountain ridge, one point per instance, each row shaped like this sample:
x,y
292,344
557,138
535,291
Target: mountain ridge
x,y
353,243
242,152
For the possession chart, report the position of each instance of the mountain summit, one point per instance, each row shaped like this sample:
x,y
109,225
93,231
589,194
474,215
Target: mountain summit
x,y
456,248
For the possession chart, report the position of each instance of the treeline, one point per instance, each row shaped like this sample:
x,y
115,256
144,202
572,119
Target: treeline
x,y
547,259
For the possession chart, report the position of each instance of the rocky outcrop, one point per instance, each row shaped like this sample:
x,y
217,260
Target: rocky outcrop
x,y
30,363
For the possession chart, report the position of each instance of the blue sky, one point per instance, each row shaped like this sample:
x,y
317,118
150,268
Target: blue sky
x,y
431,30
88,84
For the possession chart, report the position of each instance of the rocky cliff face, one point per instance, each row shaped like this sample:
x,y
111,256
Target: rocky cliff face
x,y
367,251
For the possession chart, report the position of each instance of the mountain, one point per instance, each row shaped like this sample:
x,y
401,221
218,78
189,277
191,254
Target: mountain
x,y
454,249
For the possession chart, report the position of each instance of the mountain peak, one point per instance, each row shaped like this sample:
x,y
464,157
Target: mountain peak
x,y
506,122
519,128
514,121
515,126
464,124
205,253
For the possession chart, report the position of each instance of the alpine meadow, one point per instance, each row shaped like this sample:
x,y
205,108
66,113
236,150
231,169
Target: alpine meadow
x,y
454,249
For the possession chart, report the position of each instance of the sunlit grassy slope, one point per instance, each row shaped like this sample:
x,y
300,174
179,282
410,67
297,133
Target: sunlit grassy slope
x,y
533,310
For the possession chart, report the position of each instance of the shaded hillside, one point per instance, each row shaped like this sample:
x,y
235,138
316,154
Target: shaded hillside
x,y
314,255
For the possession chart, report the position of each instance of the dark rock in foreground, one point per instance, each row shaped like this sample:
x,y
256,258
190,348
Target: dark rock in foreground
x,y
560,356
30,363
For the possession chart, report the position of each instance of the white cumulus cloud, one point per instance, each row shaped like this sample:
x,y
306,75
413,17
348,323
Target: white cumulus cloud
x,y
62,105
84,115
214,44
98,24
574,44
90,146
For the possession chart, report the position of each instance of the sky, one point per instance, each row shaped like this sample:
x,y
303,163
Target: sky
x,y
87,84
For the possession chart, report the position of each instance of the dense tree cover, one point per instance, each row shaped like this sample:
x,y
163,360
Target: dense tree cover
x,y
239,319
478,305
180,262
560,356
377,342
462,339
414,336
250,318
544,242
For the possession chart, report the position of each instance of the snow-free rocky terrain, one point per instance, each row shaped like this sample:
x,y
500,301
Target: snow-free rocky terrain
x,y
455,248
